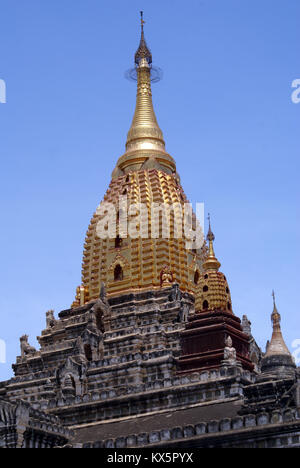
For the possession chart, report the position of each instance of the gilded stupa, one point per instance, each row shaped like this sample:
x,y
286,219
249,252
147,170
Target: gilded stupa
x,y
144,174
212,290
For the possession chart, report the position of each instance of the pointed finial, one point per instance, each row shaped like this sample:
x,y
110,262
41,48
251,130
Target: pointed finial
x,y
273,294
142,21
143,52
210,234
275,317
211,262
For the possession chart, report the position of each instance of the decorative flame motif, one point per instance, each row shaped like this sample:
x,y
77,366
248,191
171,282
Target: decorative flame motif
x,y
166,276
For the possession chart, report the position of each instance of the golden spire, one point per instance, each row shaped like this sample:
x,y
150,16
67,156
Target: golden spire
x,y
145,138
211,263
144,132
277,345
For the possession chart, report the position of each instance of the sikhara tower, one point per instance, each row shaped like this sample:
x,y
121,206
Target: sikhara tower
x,y
145,174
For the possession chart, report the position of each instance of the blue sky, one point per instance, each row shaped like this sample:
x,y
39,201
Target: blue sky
x,y
224,106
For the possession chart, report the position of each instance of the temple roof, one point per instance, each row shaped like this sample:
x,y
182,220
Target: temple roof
x,y
156,422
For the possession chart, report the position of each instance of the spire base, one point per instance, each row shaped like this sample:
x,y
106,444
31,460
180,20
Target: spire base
x,y
144,159
280,365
